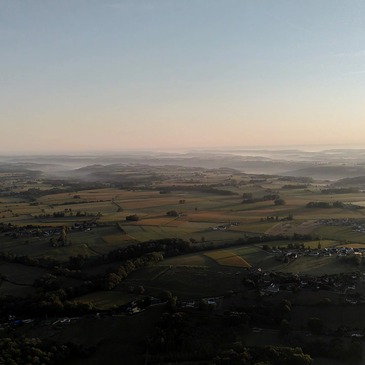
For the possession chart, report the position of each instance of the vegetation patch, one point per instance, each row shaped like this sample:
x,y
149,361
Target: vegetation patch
x,y
227,258
104,300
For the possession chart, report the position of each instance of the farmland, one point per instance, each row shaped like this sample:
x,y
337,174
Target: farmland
x,y
227,258
214,240
200,216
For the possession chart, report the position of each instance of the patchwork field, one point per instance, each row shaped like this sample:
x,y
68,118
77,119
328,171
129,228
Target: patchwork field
x,y
227,258
104,300
216,212
199,216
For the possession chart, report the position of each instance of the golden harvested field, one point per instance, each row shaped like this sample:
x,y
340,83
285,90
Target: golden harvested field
x,y
155,221
177,222
213,217
227,258
153,201
87,195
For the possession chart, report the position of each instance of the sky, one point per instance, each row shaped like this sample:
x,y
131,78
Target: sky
x,y
114,75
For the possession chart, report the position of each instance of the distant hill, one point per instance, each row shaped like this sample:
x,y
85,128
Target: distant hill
x,y
355,182
324,165
329,172
28,169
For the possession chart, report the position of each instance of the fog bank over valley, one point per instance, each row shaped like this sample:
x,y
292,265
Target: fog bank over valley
x,y
332,164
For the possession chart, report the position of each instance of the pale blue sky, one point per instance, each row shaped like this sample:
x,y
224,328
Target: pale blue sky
x,y
82,75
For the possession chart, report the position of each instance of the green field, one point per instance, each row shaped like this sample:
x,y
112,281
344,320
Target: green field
x,y
188,281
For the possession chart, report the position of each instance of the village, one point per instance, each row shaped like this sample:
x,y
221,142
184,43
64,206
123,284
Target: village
x,y
357,225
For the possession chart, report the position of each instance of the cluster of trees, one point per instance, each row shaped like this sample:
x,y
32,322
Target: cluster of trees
x,y
54,299
336,349
172,213
339,191
202,188
33,193
62,238
249,198
300,179
320,204
271,218
168,247
9,227
261,314
173,334
57,302
165,191
293,186
276,355
177,338
116,276
132,218
131,262
14,351
279,237
43,261
289,246
63,213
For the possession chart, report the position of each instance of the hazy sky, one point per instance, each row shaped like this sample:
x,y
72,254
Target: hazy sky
x,y
82,75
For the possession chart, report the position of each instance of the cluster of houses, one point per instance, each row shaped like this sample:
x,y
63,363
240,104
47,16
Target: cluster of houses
x,y
16,231
138,306
288,255
33,231
14,322
62,322
357,225
270,283
224,227
84,226
191,303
